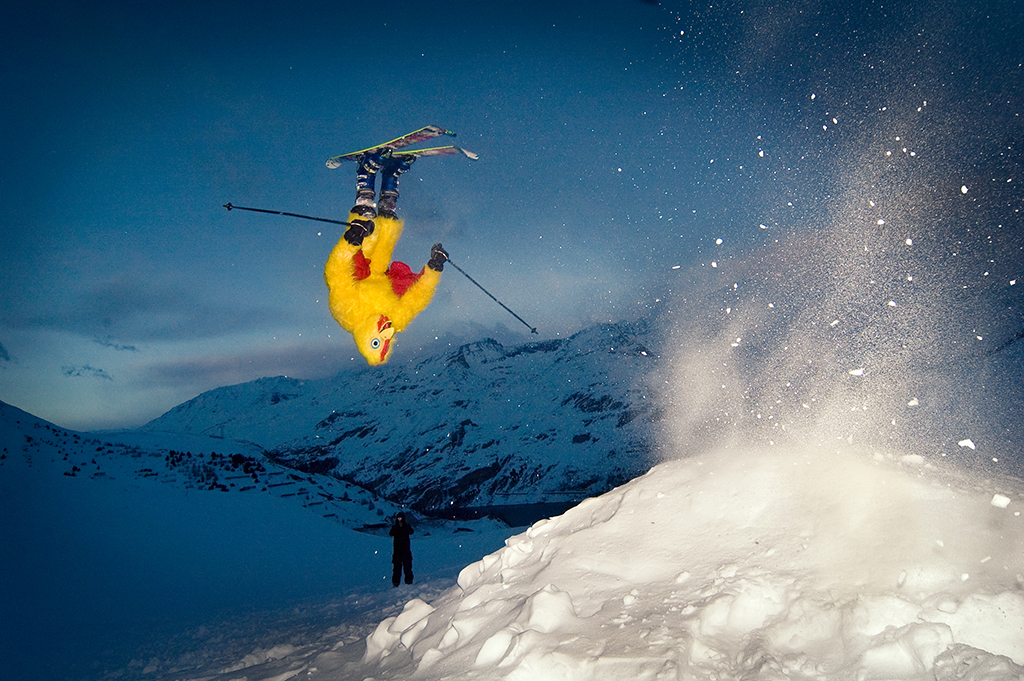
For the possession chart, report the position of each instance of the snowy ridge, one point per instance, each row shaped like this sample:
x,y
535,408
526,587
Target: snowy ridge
x,y
797,565
483,425
183,461
241,411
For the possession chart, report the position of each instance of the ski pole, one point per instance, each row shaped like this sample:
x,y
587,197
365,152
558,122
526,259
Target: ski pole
x,y
229,206
531,328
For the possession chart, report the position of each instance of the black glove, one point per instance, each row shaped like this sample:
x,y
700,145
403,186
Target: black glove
x,y
357,231
438,256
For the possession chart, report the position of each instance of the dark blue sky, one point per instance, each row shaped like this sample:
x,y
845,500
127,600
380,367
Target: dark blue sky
x,y
619,141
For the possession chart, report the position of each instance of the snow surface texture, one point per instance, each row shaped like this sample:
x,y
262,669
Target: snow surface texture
x,y
798,564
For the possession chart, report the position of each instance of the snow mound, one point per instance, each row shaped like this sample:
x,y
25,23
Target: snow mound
x,y
798,565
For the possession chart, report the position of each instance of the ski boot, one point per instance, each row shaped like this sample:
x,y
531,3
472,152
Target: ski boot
x,y
393,167
365,208
366,177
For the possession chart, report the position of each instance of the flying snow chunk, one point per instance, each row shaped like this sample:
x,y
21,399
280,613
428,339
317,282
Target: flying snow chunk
x,y
1000,501
967,443
963,189
913,403
856,372
718,242
910,242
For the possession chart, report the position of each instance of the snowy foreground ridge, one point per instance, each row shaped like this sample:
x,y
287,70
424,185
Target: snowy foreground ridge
x,y
757,566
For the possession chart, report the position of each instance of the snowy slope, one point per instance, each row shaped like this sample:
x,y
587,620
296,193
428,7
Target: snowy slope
x,y
123,556
789,564
796,565
482,425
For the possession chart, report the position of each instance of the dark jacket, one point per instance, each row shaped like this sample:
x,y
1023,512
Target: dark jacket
x,y
401,534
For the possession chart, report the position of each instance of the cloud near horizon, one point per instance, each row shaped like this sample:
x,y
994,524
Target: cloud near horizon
x,y
85,371
215,369
120,313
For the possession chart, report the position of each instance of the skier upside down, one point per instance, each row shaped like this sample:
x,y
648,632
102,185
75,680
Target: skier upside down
x,y
371,297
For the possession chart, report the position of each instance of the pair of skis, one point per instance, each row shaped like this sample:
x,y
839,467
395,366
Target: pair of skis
x,y
424,133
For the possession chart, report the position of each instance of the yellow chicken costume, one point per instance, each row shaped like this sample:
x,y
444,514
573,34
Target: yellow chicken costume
x,y
371,297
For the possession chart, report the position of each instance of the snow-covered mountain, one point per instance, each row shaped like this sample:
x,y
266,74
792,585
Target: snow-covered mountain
x,y
183,461
812,562
483,425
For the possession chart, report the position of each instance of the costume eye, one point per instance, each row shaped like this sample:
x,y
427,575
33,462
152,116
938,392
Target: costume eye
x,y
375,343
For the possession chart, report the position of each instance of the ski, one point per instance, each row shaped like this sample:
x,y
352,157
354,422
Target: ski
x,y
438,151
424,133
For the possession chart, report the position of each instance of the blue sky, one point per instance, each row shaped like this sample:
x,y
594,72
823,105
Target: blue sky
x,y
619,141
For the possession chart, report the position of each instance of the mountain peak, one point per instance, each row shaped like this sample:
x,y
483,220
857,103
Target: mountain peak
x,y
482,425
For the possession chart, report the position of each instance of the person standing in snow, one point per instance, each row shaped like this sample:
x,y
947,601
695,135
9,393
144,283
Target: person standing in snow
x,y
401,559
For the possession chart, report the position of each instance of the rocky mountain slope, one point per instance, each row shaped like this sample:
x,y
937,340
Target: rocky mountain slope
x,y
483,425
